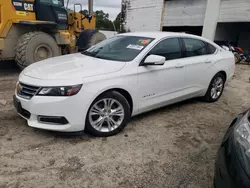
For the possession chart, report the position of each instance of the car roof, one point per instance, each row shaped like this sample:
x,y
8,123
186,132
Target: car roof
x,y
159,35
152,34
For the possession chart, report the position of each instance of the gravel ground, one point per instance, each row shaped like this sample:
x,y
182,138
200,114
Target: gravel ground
x,y
171,147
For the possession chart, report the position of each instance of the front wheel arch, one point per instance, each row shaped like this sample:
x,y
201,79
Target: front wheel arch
x,y
122,101
123,92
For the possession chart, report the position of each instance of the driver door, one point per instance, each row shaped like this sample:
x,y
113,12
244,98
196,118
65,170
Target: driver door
x,y
160,85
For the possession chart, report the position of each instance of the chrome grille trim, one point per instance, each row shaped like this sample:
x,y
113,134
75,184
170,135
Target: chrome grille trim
x,y
27,91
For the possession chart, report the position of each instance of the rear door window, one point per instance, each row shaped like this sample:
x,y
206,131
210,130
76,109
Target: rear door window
x,y
194,47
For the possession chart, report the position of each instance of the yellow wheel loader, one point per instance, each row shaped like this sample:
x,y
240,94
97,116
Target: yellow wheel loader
x,y
33,30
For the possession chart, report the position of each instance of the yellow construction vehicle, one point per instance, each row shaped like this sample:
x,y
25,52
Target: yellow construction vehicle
x,y
33,30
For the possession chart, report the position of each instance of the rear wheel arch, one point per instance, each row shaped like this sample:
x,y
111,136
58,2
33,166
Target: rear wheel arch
x,y
215,73
207,97
223,73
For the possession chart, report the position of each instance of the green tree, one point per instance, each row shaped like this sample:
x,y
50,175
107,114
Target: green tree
x,y
117,22
84,12
102,20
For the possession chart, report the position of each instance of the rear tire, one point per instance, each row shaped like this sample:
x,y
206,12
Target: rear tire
x,y
94,119
96,38
216,88
35,46
89,38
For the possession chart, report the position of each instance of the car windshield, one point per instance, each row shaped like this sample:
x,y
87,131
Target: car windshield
x,y
119,48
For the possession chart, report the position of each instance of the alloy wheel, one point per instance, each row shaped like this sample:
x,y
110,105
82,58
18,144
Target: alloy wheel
x,y
106,115
217,87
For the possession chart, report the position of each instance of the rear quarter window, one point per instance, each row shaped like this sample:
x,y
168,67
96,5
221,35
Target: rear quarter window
x,y
211,49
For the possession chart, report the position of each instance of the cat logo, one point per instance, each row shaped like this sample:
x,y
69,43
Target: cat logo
x,y
28,7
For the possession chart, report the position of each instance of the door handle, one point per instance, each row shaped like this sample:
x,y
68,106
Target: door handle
x,y
179,66
208,61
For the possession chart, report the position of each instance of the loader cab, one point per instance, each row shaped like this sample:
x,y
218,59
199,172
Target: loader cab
x,y
53,11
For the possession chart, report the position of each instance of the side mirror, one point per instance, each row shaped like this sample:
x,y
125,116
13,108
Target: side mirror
x,y
154,60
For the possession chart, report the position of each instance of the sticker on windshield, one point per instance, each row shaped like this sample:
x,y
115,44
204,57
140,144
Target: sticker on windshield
x,y
135,47
144,42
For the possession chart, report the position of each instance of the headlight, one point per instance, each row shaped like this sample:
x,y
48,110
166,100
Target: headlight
x,y
60,91
242,135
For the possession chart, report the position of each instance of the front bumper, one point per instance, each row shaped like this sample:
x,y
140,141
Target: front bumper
x,y
71,108
229,170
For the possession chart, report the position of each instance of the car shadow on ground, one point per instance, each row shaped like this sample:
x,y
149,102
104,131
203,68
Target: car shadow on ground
x,y
167,108
8,65
83,136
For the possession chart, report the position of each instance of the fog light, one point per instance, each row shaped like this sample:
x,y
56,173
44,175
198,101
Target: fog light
x,y
52,120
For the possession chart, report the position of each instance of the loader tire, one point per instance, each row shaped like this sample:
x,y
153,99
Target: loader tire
x,y
96,38
35,46
89,38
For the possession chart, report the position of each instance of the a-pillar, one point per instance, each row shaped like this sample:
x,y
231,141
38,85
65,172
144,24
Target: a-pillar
x,y
211,19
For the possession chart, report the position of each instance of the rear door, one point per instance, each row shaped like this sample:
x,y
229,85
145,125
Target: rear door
x,y
199,57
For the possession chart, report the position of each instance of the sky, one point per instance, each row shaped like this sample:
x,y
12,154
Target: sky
x,y
112,7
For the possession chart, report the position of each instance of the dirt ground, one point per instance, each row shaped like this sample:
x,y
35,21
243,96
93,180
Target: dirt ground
x,y
171,147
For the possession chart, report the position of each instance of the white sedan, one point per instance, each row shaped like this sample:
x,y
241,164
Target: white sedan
x,y
100,89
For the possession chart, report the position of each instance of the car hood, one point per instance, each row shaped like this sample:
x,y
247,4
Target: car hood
x,y
71,66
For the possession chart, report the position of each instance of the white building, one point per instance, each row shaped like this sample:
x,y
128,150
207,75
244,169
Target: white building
x,y
219,20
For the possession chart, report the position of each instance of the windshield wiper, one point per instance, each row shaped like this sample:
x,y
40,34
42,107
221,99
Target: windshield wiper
x,y
103,57
89,53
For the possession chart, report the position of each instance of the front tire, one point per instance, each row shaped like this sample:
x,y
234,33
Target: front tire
x,y
35,46
216,88
108,114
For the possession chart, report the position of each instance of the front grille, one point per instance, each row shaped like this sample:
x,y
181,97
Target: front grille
x,y
26,91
